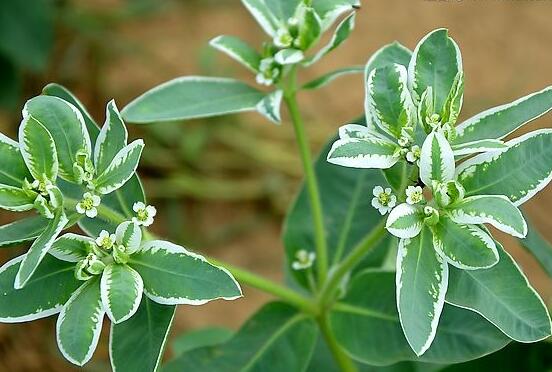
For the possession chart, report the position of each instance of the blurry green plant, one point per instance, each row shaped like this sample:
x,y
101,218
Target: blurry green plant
x,y
425,284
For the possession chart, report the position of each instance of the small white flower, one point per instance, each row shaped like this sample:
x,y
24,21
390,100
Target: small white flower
x,y
105,240
383,200
283,38
413,155
88,205
269,72
414,195
404,141
303,260
144,214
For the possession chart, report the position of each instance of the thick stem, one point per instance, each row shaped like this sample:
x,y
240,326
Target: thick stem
x,y
310,180
343,360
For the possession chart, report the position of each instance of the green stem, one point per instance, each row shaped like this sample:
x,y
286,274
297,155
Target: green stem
x,y
343,360
310,178
268,286
351,261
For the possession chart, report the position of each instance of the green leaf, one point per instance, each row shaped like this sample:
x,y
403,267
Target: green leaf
x,y
454,101
112,138
474,147
263,15
66,126
405,221
39,248
363,153
388,55
238,50
13,170
518,173
467,247
45,294
198,338
121,291
56,90
192,97
348,214
138,343
16,199
311,26
80,322
129,235
503,295
276,338
121,169
172,275
330,10
389,100
435,63
496,210
368,327
500,121
289,56
331,76
422,278
341,34
436,159
269,106
535,243
38,149
22,230
71,247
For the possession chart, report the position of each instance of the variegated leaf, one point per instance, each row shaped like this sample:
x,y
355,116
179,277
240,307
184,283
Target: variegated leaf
x,y
80,322
129,235
389,100
289,56
263,15
38,149
467,247
112,138
331,10
519,173
311,26
435,63
436,159
22,230
238,50
496,210
172,275
66,125
341,34
121,291
13,170
475,147
120,170
39,248
71,247
405,221
363,153
454,101
421,281
327,78
359,131
16,199
500,121
269,106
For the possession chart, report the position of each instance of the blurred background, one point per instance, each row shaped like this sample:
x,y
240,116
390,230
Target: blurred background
x,y
222,186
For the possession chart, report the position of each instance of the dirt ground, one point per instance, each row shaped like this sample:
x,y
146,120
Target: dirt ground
x,y
506,50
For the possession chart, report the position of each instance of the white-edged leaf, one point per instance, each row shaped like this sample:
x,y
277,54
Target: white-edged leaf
x,y
112,138
504,296
467,247
121,291
289,56
71,247
436,159
475,147
405,221
39,248
363,153
79,323
330,10
519,172
38,149
172,275
44,295
421,281
496,210
13,170
269,106
66,125
22,230
129,235
327,78
238,50
502,120
120,170
359,131
263,15
15,199
342,32
388,99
